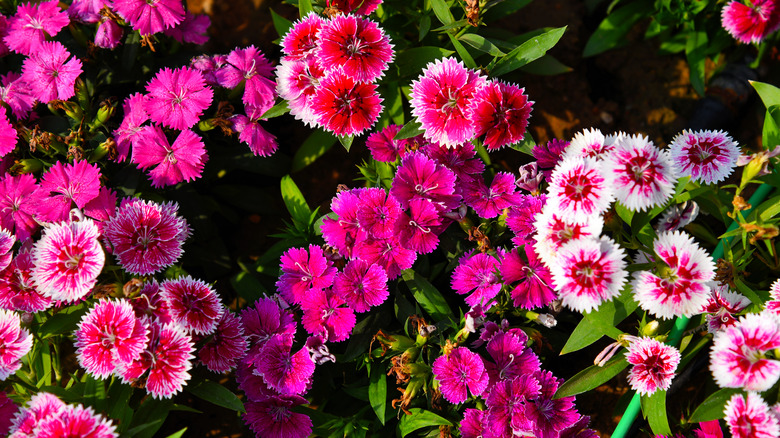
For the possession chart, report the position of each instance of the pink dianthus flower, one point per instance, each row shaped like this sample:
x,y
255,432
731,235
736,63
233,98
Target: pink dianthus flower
x,y
421,177
192,304
706,156
501,112
273,417
75,422
17,289
355,44
642,174
193,29
489,202
301,40
419,231
654,365
361,285
171,163
67,184
32,23
135,115
226,346
738,356
178,97
384,147
16,93
302,271
579,190
326,314
534,288
345,106
751,22
459,373
51,73
16,342
286,372
477,273
750,417
261,142
150,16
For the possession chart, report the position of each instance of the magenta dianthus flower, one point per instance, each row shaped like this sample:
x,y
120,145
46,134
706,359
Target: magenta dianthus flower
x,y
109,335
477,273
32,23
7,135
473,424
534,288
192,304
378,212
146,237
266,319
751,22
286,372
738,358
548,415
74,183
8,410
75,422
193,29
325,314
421,177
361,285
750,417
226,346
87,11
345,106
384,147
460,372
135,115
387,253
547,156
440,99
68,259
252,67
654,365
356,44
507,402
302,271
177,98
16,343
420,230
706,156
51,73
17,289
301,40
150,16
261,142
521,217
501,112
16,93
108,34
489,202
511,356
171,163
273,417
344,232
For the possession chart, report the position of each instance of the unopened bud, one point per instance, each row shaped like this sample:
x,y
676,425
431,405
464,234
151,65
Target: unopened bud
x,y
28,165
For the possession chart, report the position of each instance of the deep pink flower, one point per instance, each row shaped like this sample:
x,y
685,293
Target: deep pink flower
x,y
723,305
521,218
384,147
750,417
3,33
150,16
273,417
511,357
41,405
420,230
477,273
7,135
49,72
356,44
549,415
377,212
177,98
108,34
286,372
472,425
75,422
16,93
87,11
361,285
226,346
738,358
681,286
490,202
193,304
193,29
16,343
460,160
579,190
145,236
440,99
343,232
209,66
706,156
642,174
751,22
266,319
68,259
589,271
507,402
387,253
7,241
7,411
345,106
250,66
534,288
301,40
261,142
109,335
167,359
32,23
135,115
297,83
171,163
103,207
501,112
149,303
357,7
421,177
654,365
709,429
325,314
67,184
17,289
548,156
302,271
459,373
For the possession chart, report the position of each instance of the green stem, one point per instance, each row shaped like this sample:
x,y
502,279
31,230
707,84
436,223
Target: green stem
x,y
631,412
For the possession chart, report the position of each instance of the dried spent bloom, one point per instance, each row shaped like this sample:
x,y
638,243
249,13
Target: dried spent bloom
x,y
501,112
751,21
68,259
750,417
706,156
16,342
738,358
654,365
51,73
440,98
192,304
459,373
146,237
177,98
356,44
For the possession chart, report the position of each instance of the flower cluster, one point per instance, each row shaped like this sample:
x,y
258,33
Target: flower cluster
x,y
47,416
329,71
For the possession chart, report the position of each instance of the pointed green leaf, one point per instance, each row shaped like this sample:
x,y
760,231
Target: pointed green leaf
x,y
769,94
418,419
304,7
712,408
315,146
409,130
410,62
592,377
294,200
531,50
546,66
277,110
178,434
149,417
64,322
442,11
481,43
281,24
695,47
654,408
346,141
427,296
463,53
377,391
770,135
217,394
612,31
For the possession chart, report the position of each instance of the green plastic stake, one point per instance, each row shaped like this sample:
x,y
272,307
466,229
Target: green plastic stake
x,y
631,412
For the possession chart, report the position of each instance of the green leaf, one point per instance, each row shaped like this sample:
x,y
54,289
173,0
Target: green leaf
x,y
526,145
583,335
63,322
281,24
546,66
178,434
304,7
712,408
149,417
463,53
247,286
294,200
377,391
770,135
217,394
346,141
481,43
313,147
769,94
600,322
427,296
654,408
411,61
409,130
531,50
695,48
117,399
502,9
442,11
418,419
277,110
592,377
394,99
612,31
